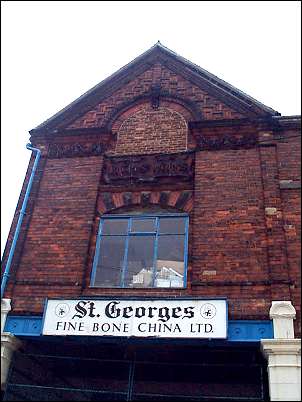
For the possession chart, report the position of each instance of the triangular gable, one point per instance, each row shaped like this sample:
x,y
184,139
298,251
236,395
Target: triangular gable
x,y
168,66
201,104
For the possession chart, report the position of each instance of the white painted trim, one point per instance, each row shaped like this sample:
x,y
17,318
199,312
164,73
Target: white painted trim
x,y
5,309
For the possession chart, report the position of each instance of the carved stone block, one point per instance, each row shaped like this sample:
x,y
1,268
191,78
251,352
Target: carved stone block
x,y
148,168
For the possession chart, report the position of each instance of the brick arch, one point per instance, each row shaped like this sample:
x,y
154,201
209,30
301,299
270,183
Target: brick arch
x,y
184,106
181,200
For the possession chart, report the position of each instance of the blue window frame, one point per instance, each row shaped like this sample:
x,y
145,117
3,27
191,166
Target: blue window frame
x,y
141,251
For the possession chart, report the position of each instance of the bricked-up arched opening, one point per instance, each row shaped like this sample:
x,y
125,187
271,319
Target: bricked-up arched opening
x,y
143,128
152,131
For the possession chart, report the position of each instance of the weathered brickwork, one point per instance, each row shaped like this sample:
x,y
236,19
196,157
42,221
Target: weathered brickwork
x,y
151,131
169,81
229,231
290,170
57,239
243,197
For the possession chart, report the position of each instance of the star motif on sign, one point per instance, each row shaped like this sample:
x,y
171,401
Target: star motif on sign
x,y
208,310
62,309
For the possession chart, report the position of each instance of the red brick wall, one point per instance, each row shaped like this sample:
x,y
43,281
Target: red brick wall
x,y
57,240
237,249
229,230
229,243
289,154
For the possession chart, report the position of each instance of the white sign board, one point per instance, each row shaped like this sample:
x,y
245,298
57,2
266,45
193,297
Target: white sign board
x,y
165,318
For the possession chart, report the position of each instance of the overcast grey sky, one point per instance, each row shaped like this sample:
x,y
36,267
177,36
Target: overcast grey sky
x,y
54,51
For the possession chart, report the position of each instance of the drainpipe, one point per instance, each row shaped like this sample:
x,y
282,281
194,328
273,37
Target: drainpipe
x,y
20,219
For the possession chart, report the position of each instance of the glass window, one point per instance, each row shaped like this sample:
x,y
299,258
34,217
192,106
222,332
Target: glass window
x,y
111,261
140,261
114,226
141,252
171,225
170,261
143,225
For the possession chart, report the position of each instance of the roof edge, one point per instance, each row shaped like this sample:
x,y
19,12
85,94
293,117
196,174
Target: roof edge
x,y
97,86
121,74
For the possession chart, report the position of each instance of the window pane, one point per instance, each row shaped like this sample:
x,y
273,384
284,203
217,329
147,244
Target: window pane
x,y
143,225
170,261
172,225
110,262
114,226
140,261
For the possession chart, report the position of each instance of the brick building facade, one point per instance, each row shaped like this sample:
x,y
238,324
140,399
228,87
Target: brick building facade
x,y
161,136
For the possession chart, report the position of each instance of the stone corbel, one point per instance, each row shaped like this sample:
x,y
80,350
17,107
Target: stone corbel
x,y
283,313
5,309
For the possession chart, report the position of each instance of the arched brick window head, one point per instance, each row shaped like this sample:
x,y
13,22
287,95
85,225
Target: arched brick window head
x,y
182,201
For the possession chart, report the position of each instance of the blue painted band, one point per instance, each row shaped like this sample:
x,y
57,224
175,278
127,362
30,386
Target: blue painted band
x,y
238,330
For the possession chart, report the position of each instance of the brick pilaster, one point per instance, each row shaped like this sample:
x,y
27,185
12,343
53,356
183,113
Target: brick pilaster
x,y
276,242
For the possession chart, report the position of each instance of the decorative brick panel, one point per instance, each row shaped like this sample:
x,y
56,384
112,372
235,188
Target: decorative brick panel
x,y
148,168
169,81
